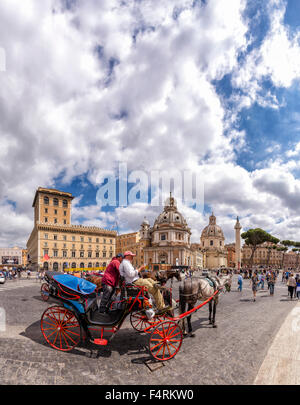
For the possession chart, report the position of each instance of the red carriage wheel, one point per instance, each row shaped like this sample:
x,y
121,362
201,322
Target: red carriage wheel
x,y
60,328
165,340
45,291
139,320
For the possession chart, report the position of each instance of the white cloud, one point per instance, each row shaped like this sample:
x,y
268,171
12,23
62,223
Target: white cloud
x,y
277,59
115,81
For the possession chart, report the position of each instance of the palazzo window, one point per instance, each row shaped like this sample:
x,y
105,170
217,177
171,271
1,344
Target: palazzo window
x,y
55,201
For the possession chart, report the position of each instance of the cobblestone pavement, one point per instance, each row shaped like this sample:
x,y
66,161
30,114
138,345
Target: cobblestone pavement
x,y
229,354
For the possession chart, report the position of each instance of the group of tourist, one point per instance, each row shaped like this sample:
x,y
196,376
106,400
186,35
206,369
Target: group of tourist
x,y
258,278
293,283
13,273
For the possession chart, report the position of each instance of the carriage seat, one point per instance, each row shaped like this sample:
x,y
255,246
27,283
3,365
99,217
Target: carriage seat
x,y
108,319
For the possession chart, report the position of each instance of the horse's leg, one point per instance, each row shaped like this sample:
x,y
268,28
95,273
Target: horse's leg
x,y
190,333
181,311
210,310
214,314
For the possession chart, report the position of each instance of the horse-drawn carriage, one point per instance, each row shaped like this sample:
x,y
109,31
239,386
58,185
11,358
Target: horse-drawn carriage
x,y
75,318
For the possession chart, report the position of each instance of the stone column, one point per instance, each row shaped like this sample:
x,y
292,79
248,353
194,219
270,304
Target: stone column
x,y
237,244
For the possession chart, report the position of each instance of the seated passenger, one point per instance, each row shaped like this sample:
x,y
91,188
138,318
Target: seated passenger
x,y
110,281
132,276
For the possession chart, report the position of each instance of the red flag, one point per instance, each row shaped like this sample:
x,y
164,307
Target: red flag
x,y
46,257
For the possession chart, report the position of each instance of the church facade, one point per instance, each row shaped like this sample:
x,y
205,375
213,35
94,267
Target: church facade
x,y
212,244
169,240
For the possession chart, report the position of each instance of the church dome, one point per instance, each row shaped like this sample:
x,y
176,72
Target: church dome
x,y
170,214
212,230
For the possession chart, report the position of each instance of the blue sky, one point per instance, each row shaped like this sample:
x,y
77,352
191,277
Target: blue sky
x,y
187,85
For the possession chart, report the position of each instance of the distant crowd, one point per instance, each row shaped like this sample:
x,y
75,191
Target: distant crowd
x,y
16,273
258,277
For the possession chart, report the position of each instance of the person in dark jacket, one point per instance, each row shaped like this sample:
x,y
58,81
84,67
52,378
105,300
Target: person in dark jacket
x,y
110,281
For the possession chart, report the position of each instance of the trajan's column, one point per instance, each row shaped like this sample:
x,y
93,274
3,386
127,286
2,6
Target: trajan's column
x,y
237,244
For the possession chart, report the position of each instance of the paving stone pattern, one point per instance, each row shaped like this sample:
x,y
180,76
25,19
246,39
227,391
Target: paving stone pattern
x,y
229,354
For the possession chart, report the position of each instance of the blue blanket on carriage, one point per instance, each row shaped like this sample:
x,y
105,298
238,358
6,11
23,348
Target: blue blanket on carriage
x,y
75,283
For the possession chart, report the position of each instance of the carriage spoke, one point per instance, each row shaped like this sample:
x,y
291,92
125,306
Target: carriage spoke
x,y
173,329
173,345
157,345
160,349
70,331
51,323
60,340
55,338
163,355
53,327
178,333
168,348
69,337
55,330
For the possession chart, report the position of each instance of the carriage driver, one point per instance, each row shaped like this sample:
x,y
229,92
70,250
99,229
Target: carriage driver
x,y
132,276
110,281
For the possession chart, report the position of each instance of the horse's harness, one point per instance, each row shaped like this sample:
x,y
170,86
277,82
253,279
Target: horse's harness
x,y
199,292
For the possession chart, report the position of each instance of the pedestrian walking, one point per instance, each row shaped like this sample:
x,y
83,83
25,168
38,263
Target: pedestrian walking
x,y
292,284
262,281
287,276
240,282
296,278
272,281
255,281
298,288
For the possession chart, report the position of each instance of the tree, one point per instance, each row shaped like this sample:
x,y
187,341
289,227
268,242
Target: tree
x,y
255,237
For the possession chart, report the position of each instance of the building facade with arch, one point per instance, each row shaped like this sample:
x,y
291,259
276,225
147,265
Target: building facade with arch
x,y
56,244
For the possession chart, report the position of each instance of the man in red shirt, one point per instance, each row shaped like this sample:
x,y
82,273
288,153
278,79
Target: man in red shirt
x,y
109,282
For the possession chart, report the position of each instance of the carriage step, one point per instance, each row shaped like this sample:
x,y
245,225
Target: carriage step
x,y
100,342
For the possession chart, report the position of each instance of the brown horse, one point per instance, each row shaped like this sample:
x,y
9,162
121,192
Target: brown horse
x,y
194,289
162,276
95,280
